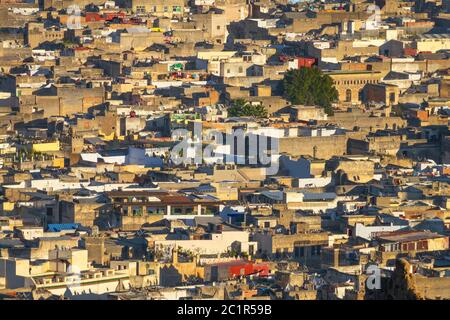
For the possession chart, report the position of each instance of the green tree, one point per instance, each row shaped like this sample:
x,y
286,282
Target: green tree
x,y
309,86
242,108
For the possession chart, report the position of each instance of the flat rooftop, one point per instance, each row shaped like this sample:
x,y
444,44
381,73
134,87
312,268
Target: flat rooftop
x,y
407,236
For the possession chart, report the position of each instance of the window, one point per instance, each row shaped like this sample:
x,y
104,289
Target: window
x,y
140,9
301,252
209,210
315,250
241,69
266,224
348,95
392,97
166,8
422,245
178,211
137,211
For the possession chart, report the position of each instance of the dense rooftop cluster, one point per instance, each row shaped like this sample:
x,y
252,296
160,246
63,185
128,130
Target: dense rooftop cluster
x,y
224,149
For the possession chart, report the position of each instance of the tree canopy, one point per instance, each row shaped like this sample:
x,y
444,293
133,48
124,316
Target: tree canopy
x,y
309,86
242,108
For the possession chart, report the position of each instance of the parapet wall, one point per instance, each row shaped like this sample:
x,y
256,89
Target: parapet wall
x,y
323,147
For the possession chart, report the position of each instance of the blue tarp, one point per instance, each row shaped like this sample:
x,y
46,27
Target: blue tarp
x,y
56,227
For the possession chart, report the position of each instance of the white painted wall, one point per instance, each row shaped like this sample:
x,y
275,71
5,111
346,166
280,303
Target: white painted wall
x,y
368,232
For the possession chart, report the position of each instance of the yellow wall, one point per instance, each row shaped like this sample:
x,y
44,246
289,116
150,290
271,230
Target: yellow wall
x,y
8,150
47,146
58,162
432,45
8,206
106,137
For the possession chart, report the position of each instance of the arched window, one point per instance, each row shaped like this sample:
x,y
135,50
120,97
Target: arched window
x,y
348,95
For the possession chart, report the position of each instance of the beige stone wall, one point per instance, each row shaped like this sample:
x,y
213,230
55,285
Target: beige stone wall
x,y
357,171
233,10
363,121
304,25
438,244
164,8
326,147
286,243
405,285
350,84
444,89
96,249
433,288
135,223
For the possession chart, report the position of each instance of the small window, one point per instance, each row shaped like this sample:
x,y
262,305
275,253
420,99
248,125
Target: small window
x,y
348,95
140,9
301,252
392,97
